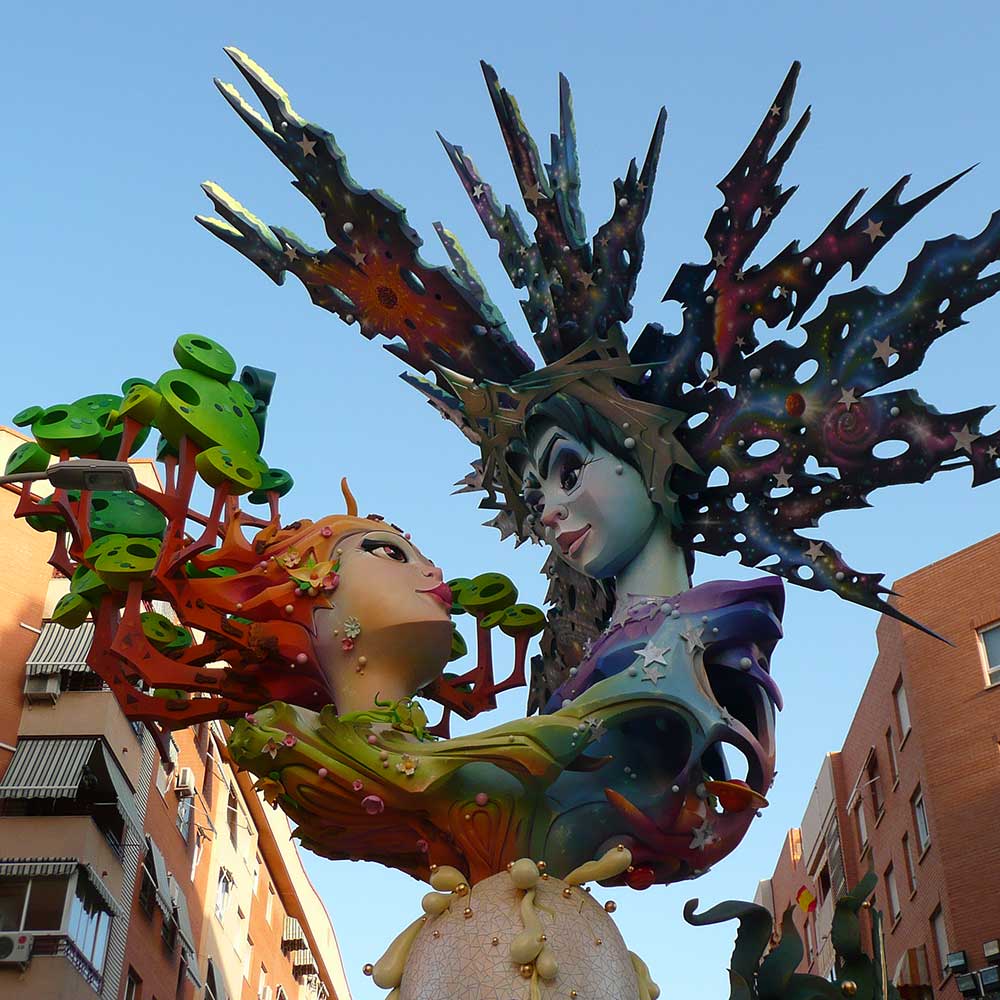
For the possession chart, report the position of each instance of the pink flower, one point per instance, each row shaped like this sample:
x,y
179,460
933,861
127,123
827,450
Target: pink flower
x,y
290,740
331,581
347,644
357,785
372,805
290,559
251,718
326,532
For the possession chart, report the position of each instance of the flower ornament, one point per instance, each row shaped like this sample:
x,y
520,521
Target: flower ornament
x,y
314,576
290,740
270,748
290,559
271,789
407,764
347,644
352,627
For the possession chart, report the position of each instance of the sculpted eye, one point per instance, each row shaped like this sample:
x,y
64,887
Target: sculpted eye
x,y
385,550
570,468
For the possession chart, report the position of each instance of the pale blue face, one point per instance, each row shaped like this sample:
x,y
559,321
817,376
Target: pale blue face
x,y
589,505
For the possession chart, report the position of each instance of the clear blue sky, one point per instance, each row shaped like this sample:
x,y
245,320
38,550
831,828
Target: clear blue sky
x,y
112,121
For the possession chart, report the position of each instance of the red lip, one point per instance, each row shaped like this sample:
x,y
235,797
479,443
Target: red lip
x,y
442,592
567,539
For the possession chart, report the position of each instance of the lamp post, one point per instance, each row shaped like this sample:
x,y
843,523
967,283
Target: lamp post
x,y
82,474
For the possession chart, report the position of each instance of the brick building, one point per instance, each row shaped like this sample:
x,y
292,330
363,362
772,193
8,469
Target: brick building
x,y
120,877
914,793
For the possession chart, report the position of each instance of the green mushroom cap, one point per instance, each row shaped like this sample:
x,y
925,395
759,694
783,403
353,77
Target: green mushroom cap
x,y
26,458
201,354
486,593
272,481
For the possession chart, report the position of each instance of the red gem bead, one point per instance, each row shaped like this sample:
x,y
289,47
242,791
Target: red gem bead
x,y
795,405
640,878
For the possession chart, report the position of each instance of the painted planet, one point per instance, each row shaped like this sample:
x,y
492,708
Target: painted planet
x,y
795,405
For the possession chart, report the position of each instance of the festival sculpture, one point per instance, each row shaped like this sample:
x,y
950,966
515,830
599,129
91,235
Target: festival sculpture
x,y
313,639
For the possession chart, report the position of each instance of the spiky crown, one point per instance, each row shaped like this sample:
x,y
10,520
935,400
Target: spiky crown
x,y
818,430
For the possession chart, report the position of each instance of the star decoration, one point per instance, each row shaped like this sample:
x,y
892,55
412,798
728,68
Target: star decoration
x,y
308,146
814,551
767,211
849,398
964,439
291,253
596,728
703,836
884,351
358,256
775,110
692,636
782,479
477,191
533,195
719,260
873,230
739,277
939,325
651,653
587,279
991,452
782,291
652,673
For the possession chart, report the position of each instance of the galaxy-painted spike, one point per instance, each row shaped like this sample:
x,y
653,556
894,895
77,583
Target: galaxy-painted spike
x,y
564,170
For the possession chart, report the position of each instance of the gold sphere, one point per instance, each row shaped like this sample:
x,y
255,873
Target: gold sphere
x,y
545,876
542,866
436,934
573,993
598,942
620,847
434,868
848,987
462,889
495,941
610,906
525,971
368,969
567,892
467,912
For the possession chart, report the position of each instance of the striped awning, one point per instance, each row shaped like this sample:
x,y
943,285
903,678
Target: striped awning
x,y
182,916
292,935
215,988
59,649
46,768
303,961
42,867
158,873
31,867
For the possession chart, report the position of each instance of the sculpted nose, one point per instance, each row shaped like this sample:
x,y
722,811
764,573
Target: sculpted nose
x,y
434,573
557,512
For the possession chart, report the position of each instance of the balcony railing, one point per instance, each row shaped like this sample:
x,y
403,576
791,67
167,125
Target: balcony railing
x,y
52,945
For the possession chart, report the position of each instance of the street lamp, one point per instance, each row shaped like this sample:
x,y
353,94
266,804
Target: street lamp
x,y
82,474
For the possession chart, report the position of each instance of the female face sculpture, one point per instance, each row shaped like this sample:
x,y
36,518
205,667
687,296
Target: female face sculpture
x,y
387,629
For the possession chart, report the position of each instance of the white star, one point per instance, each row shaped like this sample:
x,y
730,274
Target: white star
x,y
739,275
782,479
358,256
775,110
651,653
782,291
719,260
939,325
291,253
814,551
477,191
848,398
964,439
653,673
873,230
533,194
767,211
692,636
703,836
991,451
308,146
884,351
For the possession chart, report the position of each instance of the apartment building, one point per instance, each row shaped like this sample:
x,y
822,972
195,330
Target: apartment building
x,y
914,794
121,876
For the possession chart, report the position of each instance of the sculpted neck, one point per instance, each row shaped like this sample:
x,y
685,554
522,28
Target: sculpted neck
x,y
659,568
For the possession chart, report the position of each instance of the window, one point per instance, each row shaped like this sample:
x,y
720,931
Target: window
x,y
810,938
133,986
185,807
163,771
875,784
859,818
233,819
38,903
824,883
199,844
920,820
212,991
911,871
269,908
940,935
147,890
168,933
248,959
892,892
902,709
891,750
991,646
262,983
222,892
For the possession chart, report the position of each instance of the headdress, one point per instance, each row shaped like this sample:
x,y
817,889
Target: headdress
x,y
792,431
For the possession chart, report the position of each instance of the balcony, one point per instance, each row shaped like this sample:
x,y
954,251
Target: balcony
x,y
87,713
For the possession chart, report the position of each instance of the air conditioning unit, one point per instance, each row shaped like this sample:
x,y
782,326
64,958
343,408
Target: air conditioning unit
x,y
42,687
15,948
184,783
